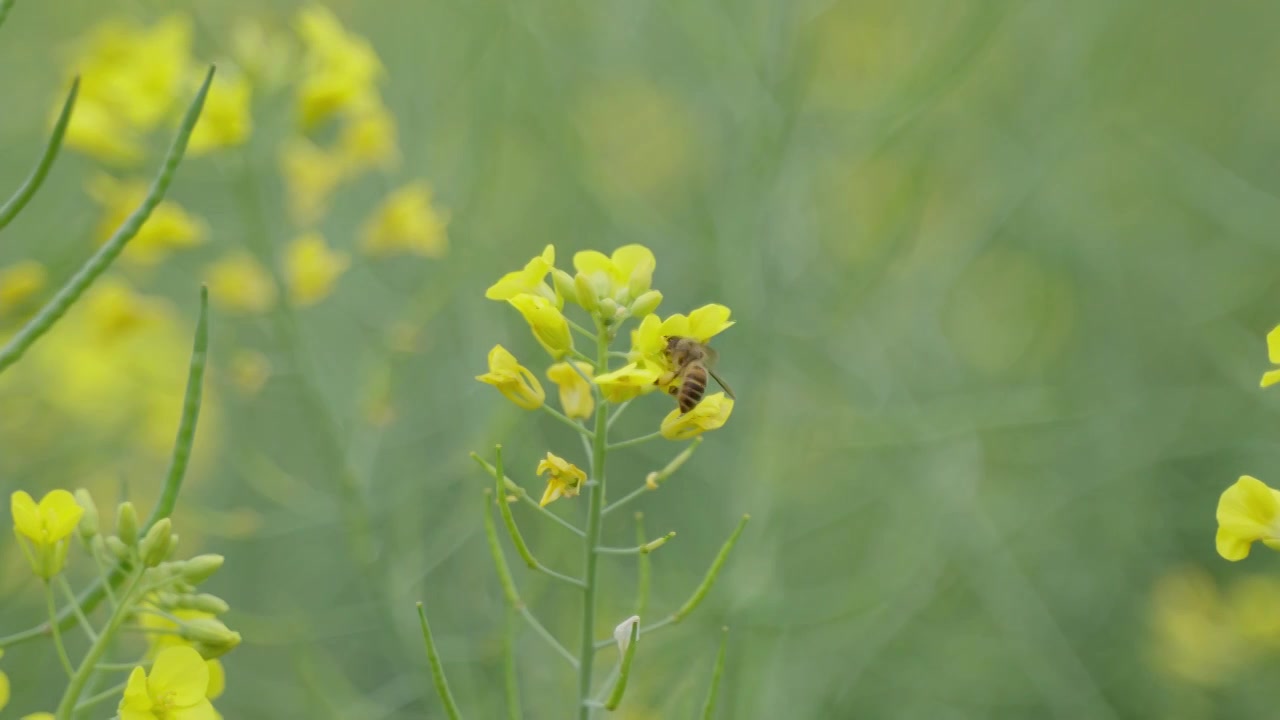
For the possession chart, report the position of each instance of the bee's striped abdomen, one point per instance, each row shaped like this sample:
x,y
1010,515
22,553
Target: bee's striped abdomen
x,y
694,385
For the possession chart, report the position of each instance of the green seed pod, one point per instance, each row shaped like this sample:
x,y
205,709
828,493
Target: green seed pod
x,y
201,568
89,520
127,523
117,547
211,637
204,602
157,543
645,304
565,286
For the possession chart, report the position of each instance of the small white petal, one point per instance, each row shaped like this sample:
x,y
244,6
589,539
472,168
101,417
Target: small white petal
x,y
622,633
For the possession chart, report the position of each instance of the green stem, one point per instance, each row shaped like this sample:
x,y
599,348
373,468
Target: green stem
x,y
87,666
518,539
655,479
37,176
104,695
712,573
512,681
437,670
617,413
542,630
585,332
102,259
85,625
510,486
566,420
57,635
636,441
595,515
624,672
5,6
642,577
709,708
643,548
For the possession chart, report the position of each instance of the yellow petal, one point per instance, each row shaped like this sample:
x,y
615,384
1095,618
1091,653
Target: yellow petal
x,y
1273,345
708,321
1270,378
217,679
592,261
4,690
710,414
575,391
527,279
549,326
26,516
1247,511
551,494
136,697
202,710
60,514
181,674
1231,546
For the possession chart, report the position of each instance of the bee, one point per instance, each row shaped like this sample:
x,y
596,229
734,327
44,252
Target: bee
x,y
692,361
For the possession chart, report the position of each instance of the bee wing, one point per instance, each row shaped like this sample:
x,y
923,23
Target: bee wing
x,y
710,356
727,391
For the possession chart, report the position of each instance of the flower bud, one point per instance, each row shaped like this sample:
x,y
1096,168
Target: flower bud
x,y
127,523
117,547
565,286
89,520
645,304
204,602
210,636
608,308
157,543
201,568
587,296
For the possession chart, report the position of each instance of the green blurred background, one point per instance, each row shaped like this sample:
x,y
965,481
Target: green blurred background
x,y
1001,273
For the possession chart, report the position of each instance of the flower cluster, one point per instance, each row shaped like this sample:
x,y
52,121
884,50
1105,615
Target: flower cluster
x,y
611,290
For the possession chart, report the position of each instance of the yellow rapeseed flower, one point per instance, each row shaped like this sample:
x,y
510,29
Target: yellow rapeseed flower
x,y
311,174
513,379
18,284
1271,377
339,70
312,268
406,222
164,633
4,686
264,54
629,381
225,120
709,414
39,716
623,277
575,391
565,478
176,688
368,140
531,279
168,228
1247,512
97,131
42,529
649,340
549,325
238,283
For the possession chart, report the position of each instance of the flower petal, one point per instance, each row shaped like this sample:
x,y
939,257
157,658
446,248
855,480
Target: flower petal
x,y
60,514
202,710
1270,378
136,698
1247,511
217,679
180,673
592,261
708,321
26,516
1273,345
4,690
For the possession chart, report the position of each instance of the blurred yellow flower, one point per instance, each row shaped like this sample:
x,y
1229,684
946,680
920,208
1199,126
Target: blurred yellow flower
x,y
549,325
250,370
131,78
4,686
176,688
629,381
225,120
168,228
265,55
1247,512
42,530
624,276
39,716
339,70
368,140
164,633
310,174
1251,609
710,414
513,379
312,269
406,222
237,282
575,391
529,279
565,478
1271,377
1190,640
19,283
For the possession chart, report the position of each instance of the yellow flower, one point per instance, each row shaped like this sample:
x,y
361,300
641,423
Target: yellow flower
x,y
529,280
163,633
368,140
649,340
312,269
629,381
575,391
18,283
39,716
622,277
176,688
265,55
565,478
1190,639
96,131
339,69
4,686
548,324
709,414
1247,511
310,176
513,379
406,222
225,120
168,228
1271,377
42,530
237,282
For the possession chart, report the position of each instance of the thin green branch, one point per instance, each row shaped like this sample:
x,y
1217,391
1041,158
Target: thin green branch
x,y
107,694
624,673
595,517
102,259
642,573
85,625
57,636
33,182
709,707
655,479
5,6
566,420
641,549
583,331
636,441
521,547
437,669
712,573
510,486
70,698
495,550
542,630
511,680
616,414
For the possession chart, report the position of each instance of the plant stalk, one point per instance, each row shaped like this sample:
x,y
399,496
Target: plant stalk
x,y
600,445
